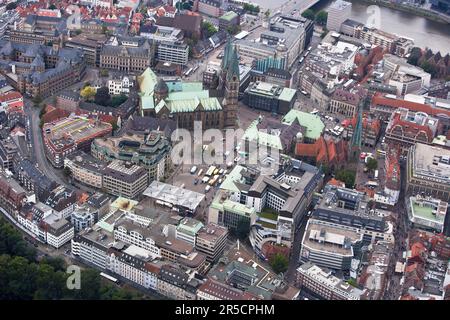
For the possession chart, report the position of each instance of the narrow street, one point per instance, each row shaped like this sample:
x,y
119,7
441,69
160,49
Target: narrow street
x,y
38,145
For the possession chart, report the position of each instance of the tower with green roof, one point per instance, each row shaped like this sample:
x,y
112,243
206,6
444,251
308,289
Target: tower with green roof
x,y
355,144
230,81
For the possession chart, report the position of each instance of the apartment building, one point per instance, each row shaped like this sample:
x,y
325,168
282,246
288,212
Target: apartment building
x,y
85,169
346,102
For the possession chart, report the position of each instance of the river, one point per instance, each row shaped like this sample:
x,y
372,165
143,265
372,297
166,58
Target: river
x,y
426,33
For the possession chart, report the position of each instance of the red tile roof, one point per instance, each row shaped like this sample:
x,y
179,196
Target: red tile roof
x,y
378,99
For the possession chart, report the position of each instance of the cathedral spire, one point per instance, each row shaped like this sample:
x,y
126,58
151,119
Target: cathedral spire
x,y
233,65
226,54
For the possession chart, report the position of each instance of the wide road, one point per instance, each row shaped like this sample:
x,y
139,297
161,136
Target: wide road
x,y
37,143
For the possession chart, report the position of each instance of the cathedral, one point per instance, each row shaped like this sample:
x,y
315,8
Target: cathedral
x,y
187,102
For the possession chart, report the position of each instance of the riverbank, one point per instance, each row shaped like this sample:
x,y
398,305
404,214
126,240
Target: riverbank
x,y
430,15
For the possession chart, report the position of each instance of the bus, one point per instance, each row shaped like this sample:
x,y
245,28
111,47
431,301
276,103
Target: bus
x,y
188,72
372,184
376,175
200,172
110,278
301,60
210,171
213,181
193,169
381,152
216,171
195,69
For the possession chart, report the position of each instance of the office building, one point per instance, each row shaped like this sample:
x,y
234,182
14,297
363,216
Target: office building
x,y
427,213
330,245
211,240
338,12
428,171
321,282
188,229
173,53
270,97
124,179
286,39
151,151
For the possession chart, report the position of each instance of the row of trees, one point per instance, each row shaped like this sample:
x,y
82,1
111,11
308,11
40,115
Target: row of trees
x,y
251,8
319,17
102,97
22,277
434,63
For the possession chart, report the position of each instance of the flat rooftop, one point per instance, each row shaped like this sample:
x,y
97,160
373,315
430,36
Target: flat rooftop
x,y
433,210
322,236
174,195
75,128
431,161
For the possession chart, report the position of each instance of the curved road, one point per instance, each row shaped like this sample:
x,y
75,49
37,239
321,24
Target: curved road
x,y
38,145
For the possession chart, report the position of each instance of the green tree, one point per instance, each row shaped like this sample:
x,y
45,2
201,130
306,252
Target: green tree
x,y
118,100
208,29
321,17
37,100
88,92
242,228
414,56
102,96
372,164
90,285
308,14
50,284
346,176
52,7
267,13
104,73
251,8
11,6
430,68
279,263
11,242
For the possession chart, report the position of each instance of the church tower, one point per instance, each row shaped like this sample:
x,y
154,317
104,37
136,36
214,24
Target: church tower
x,y
231,82
355,143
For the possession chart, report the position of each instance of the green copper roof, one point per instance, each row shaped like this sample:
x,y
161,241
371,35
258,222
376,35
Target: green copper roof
x,y
262,138
186,95
233,68
233,206
233,177
147,82
183,96
287,94
314,126
228,16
